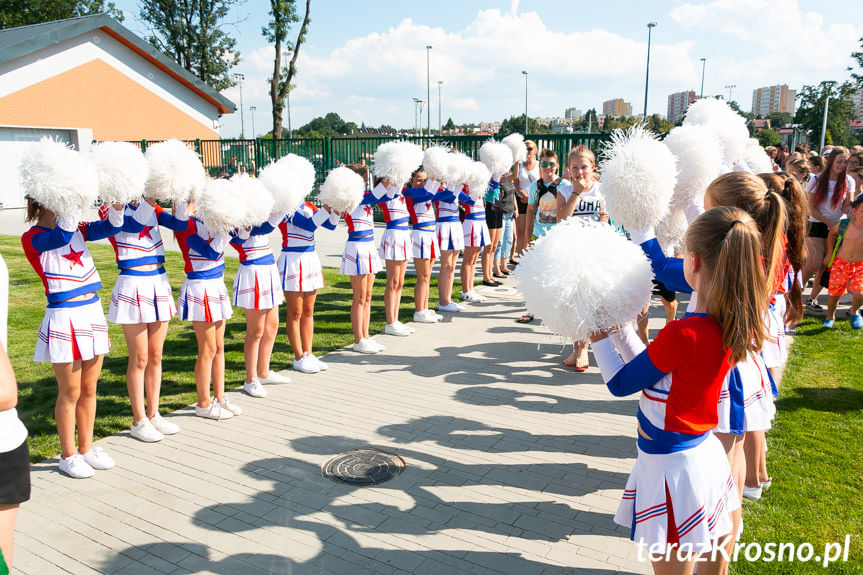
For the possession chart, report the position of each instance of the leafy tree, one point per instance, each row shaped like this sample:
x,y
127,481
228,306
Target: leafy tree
x,y
779,119
330,126
190,33
857,74
810,112
767,137
450,125
516,124
14,13
283,13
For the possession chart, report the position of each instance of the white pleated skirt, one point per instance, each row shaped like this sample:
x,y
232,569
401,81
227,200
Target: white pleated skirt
x,y
72,333
694,486
300,271
395,245
360,258
424,245
257,287
755,395
141,299
450,236
204,300
775,348
476,233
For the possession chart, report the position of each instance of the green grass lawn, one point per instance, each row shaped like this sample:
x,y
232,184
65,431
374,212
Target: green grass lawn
x,y
37,388
815,455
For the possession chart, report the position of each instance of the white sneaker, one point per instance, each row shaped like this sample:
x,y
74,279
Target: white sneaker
x,y
472,297
98,459
451,306
366,346
397,329
436,316
163,425
306,365
231,407
317,361
407,327
76,467
423,317
145,431
377,344
213,411
254,388
275,377
753,493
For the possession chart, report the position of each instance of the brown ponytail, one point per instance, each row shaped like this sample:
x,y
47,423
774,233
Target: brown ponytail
x,y
729,244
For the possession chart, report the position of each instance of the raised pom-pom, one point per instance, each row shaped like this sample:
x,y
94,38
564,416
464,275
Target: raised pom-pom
x,y
435,162
289,180
497,157
581,279
58,177
218,206
176,172
728,126
756,158
672,229
122,171
699,161
342,190
458,170
255,199
477,180
396,161
515,141
638,178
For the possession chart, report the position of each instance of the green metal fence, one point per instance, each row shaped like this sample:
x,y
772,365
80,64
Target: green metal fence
x,y
225,157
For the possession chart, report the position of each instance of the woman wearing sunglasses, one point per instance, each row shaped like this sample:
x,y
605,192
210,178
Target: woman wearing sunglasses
x,y
528,173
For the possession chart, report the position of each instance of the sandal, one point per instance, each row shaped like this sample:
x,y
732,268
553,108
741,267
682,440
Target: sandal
x,y
526,318
568,363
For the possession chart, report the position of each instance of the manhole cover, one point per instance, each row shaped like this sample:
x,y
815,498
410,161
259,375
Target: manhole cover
x,y
363,467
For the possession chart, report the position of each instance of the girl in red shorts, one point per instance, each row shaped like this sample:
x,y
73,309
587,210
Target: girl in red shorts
x,y
847,266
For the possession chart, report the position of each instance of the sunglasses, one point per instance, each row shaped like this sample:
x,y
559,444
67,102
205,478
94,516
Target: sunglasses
x,y
547,164
529,149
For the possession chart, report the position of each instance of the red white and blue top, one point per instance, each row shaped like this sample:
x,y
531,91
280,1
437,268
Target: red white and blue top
x,y
447,204
361,221
395,209
420,206
473,209
298,229
203,250
139,242
680,376
253,246
60,257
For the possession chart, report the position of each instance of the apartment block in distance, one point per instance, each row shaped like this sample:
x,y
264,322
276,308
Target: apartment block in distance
x,y
773,99
616,108
678,103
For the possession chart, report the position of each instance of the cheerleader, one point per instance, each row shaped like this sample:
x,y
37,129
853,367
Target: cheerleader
x,y
256,290
143,304
681,491
450,238
73,336
476,237
419,196
204,301
360,261
301,275
394,250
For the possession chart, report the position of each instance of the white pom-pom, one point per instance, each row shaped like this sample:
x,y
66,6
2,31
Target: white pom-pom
x,y
728,126
176,172
396,161
581,279
59,178
515,142
289,180
497,157
254,198
672,229
477,180
219,206
458,170
122,171
756,158
435,162
342,190
638,178
699,161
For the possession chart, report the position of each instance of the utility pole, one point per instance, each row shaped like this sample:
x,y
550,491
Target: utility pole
x,y
240,78
525,101
730,88
428,89
439,82
703,65
650,27
828,87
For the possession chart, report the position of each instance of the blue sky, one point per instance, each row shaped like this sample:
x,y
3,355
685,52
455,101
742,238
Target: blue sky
x,y
367,60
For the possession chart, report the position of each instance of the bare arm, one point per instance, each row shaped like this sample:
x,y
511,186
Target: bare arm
x,y
8,385
565,209
831,239
531,216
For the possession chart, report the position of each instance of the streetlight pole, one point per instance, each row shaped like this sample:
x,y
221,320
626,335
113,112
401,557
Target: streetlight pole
x,y
828,87
730,88
650,27
439,82
703,65
525,101
416,107
428,89
252,110
240,78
